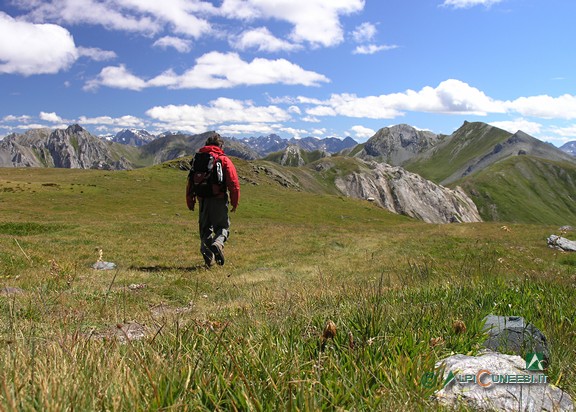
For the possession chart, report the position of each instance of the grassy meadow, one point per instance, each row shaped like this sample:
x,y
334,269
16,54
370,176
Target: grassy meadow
x,y
251,335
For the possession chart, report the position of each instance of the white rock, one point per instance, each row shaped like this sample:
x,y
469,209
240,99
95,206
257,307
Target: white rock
x,y
485,382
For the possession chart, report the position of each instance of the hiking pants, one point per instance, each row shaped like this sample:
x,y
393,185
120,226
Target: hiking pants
x,y
213,221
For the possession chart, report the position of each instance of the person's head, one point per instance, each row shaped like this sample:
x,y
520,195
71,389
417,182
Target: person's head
x,y
215,140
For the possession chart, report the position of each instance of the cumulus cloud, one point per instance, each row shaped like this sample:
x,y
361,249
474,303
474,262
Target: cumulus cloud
x,y
261,39
314,21
117,77
183,16
51,117
546,107
127,121
362,132
449,97
213,70
219,112
464,4
180,45
568,132
109,14
240,129
294,109
29,49
512,126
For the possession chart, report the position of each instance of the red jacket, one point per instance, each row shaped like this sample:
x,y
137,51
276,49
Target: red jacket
x,y
230,176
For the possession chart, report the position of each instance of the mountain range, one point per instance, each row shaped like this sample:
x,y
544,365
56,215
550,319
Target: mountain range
x,y
479,172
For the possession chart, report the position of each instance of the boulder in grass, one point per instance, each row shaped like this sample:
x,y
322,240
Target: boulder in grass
x,y
512,334
496,382
561,243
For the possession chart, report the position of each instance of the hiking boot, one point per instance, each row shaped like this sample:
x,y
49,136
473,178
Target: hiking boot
x,y
208,257
217,249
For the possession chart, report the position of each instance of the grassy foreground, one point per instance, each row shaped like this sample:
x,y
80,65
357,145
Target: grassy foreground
x,y
248,335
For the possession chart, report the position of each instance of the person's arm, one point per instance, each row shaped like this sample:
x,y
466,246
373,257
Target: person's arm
x,y
232,182
190,197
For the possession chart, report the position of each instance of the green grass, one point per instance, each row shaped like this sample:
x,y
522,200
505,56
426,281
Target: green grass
x,y
448,158
525,189
247,336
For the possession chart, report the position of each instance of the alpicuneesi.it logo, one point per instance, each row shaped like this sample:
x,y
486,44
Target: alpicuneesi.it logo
x,y
485,378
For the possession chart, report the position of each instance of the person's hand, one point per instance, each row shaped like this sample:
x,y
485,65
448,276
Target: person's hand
x,y
233,209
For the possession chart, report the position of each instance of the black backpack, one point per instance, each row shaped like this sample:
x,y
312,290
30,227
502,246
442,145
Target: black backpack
x,y
206,177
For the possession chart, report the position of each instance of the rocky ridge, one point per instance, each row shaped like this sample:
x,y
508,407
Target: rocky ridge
x,y
72,147
397,144
403,192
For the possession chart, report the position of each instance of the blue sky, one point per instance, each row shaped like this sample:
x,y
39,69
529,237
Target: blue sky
x,y
296,68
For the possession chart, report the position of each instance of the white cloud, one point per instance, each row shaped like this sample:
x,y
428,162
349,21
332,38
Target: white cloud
x,y
108,14
19,119
546,107
513,126
295,109
373,48
32,126
464,4
51,117
261,39
315,21
568,132
28,49
127,121
295,133
362,132
181,45
116,77
217,113
310,119
213,70
96,54
364,33
449,97
223,70
181,15
239,129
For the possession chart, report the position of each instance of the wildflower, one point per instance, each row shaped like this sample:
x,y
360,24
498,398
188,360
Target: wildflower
x,y
329,330
459,326
437,341
329,333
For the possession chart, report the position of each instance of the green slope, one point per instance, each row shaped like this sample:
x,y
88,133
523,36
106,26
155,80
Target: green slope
x,y
248,335
470,142
525,189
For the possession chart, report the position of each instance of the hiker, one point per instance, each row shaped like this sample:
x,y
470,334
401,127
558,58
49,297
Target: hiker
x,y
209,178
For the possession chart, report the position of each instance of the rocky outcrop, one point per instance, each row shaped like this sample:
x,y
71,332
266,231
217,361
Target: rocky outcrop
x,y
397,144
292,156
73,148
13,154
409,194
561,243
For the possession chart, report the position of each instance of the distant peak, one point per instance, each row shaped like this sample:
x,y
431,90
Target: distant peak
x,y
75,128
